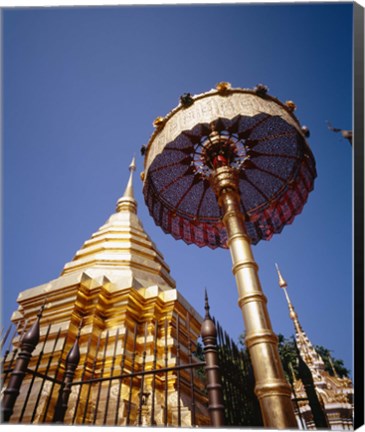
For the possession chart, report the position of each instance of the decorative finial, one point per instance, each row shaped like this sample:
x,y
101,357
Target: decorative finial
x,y
291,105
208,329
132,166
223,86
293,315
186,100
282,282
31,338
127,201
158,122
206,306
347,134
305,131
261,90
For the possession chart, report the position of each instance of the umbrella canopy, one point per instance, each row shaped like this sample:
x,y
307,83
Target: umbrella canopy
x,y
256,135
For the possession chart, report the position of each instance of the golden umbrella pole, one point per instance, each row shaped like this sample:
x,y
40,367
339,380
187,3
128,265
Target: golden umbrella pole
x,y
271,388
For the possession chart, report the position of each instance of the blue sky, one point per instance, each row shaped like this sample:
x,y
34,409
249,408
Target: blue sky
x,y
81,88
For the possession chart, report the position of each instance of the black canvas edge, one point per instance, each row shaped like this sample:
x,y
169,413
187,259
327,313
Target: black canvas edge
x,y
358,258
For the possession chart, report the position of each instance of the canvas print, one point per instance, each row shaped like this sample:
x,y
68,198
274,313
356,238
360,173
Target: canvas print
x,y
178,216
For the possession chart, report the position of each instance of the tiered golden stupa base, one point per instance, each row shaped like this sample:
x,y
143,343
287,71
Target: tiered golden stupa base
x,y
121,331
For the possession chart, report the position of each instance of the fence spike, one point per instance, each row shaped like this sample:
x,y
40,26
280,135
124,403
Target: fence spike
x,y
111,375
102,373
178,371
141,389
132,370
72,360
54,383
192,385
45,375
40,356
82,377
214,385
153,422
98,343
166,376
121,372
27,346
3,340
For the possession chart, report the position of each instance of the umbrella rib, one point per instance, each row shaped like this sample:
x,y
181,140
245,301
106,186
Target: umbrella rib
x,y
164,189
252,128
260,121
201,200
277,155
185,150
270,137
243,207
184,194
193,138
270,173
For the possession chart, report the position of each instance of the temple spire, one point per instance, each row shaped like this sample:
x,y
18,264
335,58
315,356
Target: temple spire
x,y
121,249
292,313
127,201
332,366
308,353
206,306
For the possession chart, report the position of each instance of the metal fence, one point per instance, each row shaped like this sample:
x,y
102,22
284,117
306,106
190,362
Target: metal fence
x,y
125,377
241,405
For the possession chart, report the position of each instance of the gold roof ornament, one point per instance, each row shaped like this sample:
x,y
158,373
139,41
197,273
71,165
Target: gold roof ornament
x,y
223,86
159,121
291,105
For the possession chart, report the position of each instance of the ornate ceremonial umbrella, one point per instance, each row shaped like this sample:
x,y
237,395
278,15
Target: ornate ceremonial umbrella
x,y
228,168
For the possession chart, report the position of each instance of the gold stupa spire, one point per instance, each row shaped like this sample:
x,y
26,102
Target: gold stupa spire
x,y
127,201
122,249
